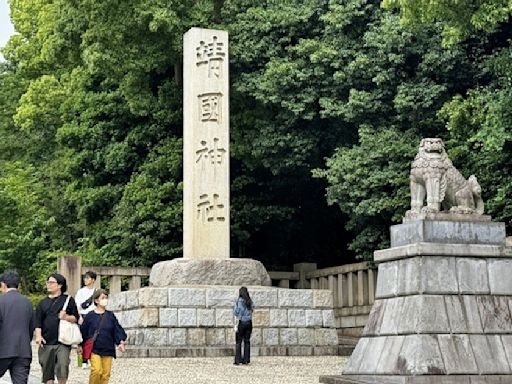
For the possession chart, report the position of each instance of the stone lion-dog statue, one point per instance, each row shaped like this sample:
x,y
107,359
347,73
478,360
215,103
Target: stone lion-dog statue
x,y
433,176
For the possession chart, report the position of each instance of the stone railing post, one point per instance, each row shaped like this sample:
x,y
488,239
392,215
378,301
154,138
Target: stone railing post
x,y
302,268
71,268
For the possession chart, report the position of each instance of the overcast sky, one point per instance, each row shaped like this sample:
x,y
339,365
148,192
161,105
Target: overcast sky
x,y
6,28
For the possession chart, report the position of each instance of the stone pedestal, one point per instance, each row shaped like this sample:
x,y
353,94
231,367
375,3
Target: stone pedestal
x,y
442,312
209,272
190,321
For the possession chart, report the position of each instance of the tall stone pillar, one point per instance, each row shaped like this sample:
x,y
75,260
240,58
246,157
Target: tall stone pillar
x,y
206,209
205,144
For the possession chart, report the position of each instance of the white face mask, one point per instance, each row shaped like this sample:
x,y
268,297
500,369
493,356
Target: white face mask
x,y
103,302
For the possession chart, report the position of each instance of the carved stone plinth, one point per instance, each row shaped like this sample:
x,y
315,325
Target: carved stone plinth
x,y
209,272
442,312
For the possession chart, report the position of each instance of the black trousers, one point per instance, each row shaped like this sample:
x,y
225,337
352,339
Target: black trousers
x,y
243,335
18,367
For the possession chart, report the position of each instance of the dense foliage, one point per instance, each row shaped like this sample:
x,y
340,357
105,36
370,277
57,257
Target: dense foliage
x,y
329,99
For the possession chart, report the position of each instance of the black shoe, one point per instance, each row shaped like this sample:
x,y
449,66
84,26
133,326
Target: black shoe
x,y
236,363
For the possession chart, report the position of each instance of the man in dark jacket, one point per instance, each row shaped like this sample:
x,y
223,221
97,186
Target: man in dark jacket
x,y
16,329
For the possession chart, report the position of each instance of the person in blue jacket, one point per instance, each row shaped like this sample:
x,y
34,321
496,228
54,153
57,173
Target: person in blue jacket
x,y
110,334
242,310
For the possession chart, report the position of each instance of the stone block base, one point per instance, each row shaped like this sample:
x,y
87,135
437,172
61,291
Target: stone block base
x,y
433,379
237,272
191,321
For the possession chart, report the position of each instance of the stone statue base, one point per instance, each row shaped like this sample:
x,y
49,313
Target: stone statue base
x,y
209,272
442,310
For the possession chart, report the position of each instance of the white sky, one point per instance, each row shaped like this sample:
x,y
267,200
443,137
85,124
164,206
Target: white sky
x,y
6,28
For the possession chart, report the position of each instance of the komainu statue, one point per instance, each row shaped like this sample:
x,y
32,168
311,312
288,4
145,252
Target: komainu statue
x,y
433,176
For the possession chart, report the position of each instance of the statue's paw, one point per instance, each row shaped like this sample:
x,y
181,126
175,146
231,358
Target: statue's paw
x,y
429,210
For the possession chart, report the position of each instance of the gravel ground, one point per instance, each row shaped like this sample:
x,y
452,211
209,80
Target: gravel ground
x,y
262,370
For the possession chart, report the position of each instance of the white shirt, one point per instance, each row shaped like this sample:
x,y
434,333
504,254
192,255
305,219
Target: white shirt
x,y
81,296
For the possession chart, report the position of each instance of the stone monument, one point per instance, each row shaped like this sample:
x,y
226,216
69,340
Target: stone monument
x,y
187,310
206,254
443,305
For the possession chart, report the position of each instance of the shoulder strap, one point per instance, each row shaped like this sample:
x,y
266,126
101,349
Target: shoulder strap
x,y
66,303
97,332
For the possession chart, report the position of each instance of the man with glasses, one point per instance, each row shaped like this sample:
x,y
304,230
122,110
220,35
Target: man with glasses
x,y
16,329
54,356
85,302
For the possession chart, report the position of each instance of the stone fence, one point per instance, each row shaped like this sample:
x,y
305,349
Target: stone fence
x,y
352,285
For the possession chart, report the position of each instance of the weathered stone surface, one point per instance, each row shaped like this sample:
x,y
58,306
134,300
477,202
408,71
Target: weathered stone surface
x,y
322,298
264,298
314,318
329,320
205,317
117,301
353,364
256,337
372,355
270,336
288,336
235,272
221,296
177,336
295,298
278,318
156,336
500,272
388,362
187,317
306,336
387,283
187,297
224,317
326,336
261,318
144,317
439,275
430,379
374,322
409,272
494,313
506,341
472,315
132,299
472,276
392,316
423,314
420,355
297,317
168,317
448,232
215,336
196,336
153,297
489,354
457,354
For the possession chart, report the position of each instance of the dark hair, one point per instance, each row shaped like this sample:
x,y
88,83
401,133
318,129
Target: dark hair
x,y
91,274
61,280
98,293
244,294
10,278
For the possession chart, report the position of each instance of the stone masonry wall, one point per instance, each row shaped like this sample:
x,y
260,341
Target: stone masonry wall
x,y
198,321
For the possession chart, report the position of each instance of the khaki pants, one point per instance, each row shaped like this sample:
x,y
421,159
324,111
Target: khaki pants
x,y
100,369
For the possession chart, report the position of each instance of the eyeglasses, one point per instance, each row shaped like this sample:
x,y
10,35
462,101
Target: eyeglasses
x,y
51,282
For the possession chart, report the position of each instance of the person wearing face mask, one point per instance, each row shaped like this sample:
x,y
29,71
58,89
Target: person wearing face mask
x,y
109,334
